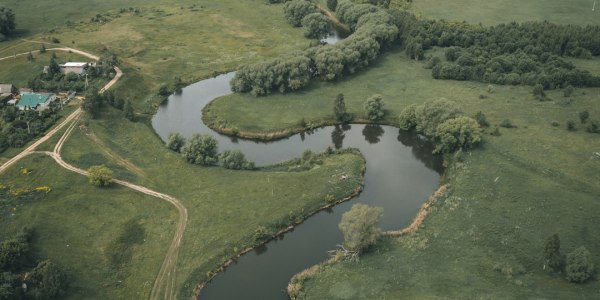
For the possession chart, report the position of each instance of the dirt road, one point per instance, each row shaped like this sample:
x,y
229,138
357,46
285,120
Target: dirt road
x,y
165,284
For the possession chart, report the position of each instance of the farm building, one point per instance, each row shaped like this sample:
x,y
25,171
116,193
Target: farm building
x,y
37,101
73,67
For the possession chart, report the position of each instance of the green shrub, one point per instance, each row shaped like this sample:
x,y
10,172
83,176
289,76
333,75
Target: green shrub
x,y
235,159
201,150
433,113
360,226
507,123
407,119
481,119
579,265
175,141
584,116
571,125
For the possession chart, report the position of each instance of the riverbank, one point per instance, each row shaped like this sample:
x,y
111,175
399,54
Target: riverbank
x,y
506,197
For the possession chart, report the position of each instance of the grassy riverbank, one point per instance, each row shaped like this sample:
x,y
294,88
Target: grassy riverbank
x,y
507,197
225,207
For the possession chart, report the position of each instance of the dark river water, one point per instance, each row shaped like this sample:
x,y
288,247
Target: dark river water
x,y
401,173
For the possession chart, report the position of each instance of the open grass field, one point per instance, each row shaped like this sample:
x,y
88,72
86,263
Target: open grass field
x,y
225,207
75,225
577,12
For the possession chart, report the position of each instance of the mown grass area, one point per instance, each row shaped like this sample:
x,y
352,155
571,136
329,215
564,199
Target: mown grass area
x,y
508,196
76,225
577,12
225,207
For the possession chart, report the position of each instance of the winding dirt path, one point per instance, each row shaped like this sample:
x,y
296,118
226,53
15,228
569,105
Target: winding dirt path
x,y
165,283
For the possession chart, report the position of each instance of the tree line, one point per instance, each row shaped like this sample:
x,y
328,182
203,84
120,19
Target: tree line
x,y
373,30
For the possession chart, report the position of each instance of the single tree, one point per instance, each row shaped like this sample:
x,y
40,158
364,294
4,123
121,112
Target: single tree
x,y
407,119
53,68
339,108
481,119
553,259
175,141
579,265
374,108
29,56
316,25
332,4
568,91
7,20
100,176
296,10
43,49
571,125
201,150
360,226
128,111
457,133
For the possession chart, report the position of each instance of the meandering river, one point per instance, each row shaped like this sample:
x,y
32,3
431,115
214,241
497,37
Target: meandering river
x,y
401,173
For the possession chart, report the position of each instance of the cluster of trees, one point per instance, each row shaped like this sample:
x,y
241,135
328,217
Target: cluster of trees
x,y
443,122
19,127
374,29
578,265
55,81
94,101
528,53
202,149
374,108
7,22
21,277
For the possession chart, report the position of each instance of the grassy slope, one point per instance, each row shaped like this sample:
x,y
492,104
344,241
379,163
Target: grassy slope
x,y
222,218
492,12
75,223
547,182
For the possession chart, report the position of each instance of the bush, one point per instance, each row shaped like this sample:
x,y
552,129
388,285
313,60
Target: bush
x,y
538,91
360,226
100,176
593,126
584,116
201,150
175,141
568,91
579,265
571,125
457,133
507,123
481,119
374,108
235,159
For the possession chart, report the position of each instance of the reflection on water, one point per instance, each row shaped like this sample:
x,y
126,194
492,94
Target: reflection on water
x,y
401,173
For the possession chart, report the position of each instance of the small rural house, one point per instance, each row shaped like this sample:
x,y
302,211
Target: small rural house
x,y
37,101
6,91
73,67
